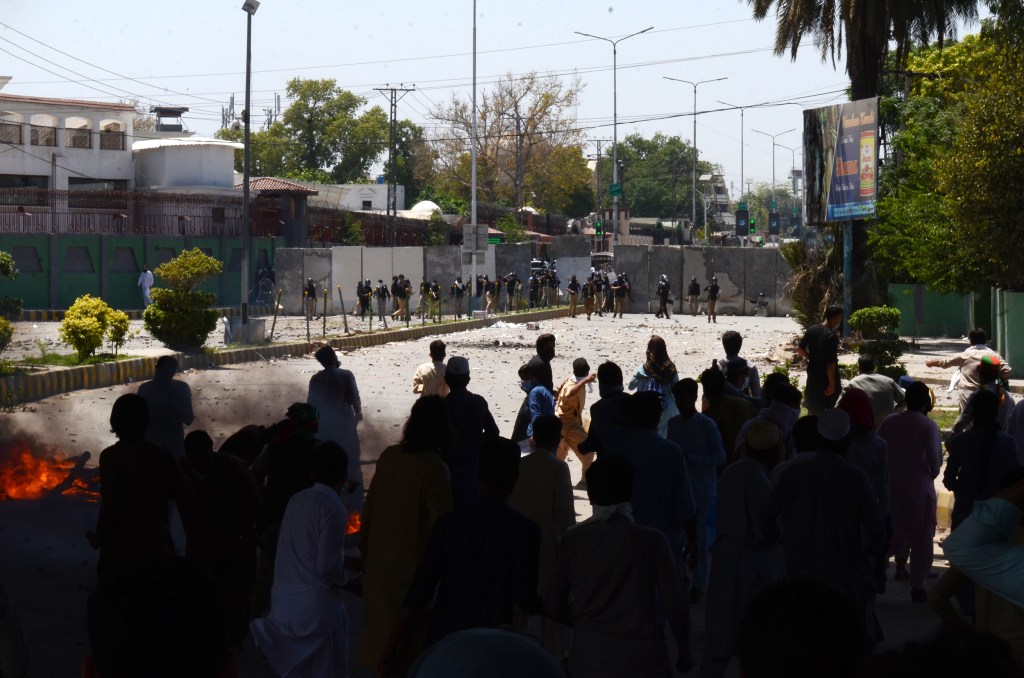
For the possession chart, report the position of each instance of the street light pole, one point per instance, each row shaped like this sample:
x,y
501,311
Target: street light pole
x,y
249,7
615,118
772,137
693,197
742,143
473,158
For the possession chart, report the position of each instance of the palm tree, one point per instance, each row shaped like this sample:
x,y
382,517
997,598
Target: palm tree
x,y
866,27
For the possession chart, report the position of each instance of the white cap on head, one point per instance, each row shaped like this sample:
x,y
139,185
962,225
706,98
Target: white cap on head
x,y
834,424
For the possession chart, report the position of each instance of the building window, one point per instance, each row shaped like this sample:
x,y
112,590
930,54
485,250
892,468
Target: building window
x,y
97,193
78,138
10,132
32,190
367,204
42,135
111,141
218,215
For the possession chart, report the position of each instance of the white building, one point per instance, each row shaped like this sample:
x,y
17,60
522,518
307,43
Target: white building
x,y
192,164
65,144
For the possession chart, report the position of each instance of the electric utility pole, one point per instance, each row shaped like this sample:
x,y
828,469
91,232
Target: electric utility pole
x,y
394,94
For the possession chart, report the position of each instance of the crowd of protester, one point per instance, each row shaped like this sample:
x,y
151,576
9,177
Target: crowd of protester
x,y
778,528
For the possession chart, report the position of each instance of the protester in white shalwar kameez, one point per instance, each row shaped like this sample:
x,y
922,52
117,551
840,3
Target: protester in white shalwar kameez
x,y
306,632
334,394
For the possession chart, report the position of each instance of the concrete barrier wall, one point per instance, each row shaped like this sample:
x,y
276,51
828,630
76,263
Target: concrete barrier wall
x,y
288,270
573,255
634,261
347,271
377,264
408,261
512,258
665,260
316,264
743,273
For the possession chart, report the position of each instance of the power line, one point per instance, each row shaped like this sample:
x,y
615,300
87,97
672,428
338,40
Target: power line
x,y
87,63
387,61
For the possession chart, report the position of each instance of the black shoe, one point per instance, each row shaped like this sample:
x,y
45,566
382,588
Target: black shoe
x,y
918,596
901,571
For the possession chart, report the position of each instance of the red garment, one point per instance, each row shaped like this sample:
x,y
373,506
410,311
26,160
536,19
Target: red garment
x,y
857,404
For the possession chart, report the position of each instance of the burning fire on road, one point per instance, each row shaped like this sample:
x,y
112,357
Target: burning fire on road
x,y
29,470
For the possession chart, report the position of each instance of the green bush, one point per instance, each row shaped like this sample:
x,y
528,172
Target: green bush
x,y
877,326
87,323
875,322
6,334
181,317
119,330
9,306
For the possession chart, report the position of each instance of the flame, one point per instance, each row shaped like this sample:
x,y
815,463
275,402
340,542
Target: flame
x,y
23,475
355,523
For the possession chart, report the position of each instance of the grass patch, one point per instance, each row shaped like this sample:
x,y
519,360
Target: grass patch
x,y
944,418
71,360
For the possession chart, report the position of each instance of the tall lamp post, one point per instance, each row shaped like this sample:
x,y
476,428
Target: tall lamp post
x,y
772,136
742,143
249,7
615,118
693,197
792,171
473,160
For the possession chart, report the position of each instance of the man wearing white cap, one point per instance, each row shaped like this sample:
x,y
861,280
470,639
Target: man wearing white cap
x,y
831,520
473,424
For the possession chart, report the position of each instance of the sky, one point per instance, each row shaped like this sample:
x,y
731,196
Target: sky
x,y
192,53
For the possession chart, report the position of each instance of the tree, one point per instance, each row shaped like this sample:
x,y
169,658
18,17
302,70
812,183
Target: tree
x,y
180,315
437,230
143,120
656,175
414,164
9,306
866,26
323,133
949,206
512,228
982,179
527,144
759,203
88,322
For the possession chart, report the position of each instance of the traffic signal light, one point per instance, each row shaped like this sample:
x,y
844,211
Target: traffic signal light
x,y
598,229
742,217
753,225
773,223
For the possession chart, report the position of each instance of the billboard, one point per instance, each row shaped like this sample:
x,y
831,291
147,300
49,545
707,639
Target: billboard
x,y
841,161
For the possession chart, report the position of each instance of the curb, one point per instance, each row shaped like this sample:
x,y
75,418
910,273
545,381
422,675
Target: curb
x,y
25,388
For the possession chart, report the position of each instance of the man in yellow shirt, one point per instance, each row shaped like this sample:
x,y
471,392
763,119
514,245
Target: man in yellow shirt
x,y
429,377
572,397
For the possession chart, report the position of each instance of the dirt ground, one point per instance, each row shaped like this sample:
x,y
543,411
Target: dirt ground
x,y
49,569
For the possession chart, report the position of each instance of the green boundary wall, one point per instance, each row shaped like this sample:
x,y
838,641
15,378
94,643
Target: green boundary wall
x,y
54,270
924,313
